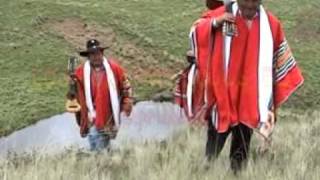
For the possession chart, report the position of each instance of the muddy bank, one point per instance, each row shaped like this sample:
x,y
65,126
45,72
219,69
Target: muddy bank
x,y
148,121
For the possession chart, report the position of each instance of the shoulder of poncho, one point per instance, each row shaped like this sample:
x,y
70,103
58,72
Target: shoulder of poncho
x,y
79,69
275,24
272,18
213,13
113,62
210,14
115,65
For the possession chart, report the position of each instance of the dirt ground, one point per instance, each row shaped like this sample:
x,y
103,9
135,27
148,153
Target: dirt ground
x,y
139,63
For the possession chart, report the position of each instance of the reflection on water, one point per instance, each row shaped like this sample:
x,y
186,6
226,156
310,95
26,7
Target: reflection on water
x,y
149,120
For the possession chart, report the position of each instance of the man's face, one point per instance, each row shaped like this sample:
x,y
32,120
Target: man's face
x,y
96,58
249,7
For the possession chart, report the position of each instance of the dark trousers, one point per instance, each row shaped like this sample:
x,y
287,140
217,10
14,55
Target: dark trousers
x,y
240,144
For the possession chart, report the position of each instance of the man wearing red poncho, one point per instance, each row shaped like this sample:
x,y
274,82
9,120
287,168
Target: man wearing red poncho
x,y
241,78
103,91
182,94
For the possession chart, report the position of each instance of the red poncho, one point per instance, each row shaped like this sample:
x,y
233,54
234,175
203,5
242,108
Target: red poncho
x,y
100,96
235,96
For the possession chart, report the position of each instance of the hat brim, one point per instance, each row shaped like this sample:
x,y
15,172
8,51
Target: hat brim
x,y
92,50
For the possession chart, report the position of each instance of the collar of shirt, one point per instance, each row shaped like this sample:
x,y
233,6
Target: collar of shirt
x,y
249,21
257,13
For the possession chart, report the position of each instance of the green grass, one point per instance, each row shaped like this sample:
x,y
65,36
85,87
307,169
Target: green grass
x,y
33,57
294,154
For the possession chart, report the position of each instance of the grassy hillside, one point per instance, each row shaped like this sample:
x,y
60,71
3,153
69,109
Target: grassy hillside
x,y
294,155
149,37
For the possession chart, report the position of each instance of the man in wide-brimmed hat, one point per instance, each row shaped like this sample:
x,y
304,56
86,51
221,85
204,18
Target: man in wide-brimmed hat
x,y
104,91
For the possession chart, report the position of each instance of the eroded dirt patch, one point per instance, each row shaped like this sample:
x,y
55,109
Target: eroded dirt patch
x,y
77,33
142,67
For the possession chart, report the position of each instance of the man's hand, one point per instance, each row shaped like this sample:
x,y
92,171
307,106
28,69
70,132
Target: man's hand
x,y
199,118
72,77
127,108
226,17
265,132
190,57
267,128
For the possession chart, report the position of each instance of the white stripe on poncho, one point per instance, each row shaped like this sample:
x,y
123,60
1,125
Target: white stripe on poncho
x,y
115,103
